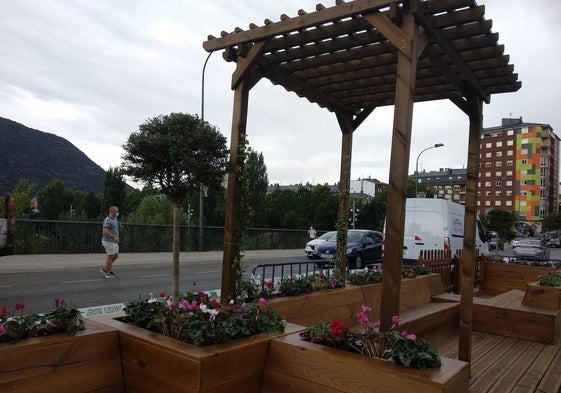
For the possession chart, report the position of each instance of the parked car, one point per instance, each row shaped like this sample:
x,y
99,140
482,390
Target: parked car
x,y
554,242
517,240
363,247
496,243
531,248
310,248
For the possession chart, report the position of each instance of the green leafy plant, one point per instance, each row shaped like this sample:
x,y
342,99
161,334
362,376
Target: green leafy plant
x,y
550,279
199,320
18,326
365,276
403,348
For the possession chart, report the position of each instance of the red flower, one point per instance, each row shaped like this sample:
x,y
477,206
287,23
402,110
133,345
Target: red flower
x,y
337,329
20,306
269,284
162,294
203,299
215,303
4,311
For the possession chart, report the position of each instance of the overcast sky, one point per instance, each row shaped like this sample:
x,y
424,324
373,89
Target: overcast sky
x,y
93,71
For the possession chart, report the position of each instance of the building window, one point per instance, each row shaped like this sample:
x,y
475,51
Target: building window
x,y
497,203
499,163
499,154
543,162
524,152
487,174
509,163
487,193
498,183
497,193
543,213
509,152
508,203
508,193
509,173
542,193
510,132
487,184
522,203
524,130
509,183
487,165
510,142
488,145
524,141
488,155
499,144
498,173
524,162
487,203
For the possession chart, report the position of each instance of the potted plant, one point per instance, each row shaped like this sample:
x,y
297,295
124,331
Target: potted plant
x,y
191,344
363,358
58,349
545,292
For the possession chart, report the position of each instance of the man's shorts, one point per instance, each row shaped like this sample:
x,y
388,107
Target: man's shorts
x,y
111,248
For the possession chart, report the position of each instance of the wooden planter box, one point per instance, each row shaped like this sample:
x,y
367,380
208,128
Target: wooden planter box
x,y
543,297
502,277
297,366
86,362
343,303
155,363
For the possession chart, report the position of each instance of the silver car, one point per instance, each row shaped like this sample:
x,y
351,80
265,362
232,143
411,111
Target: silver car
x,y
531,248
310,248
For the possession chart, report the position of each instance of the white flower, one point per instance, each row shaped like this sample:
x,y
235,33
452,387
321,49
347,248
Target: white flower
x,y
152,300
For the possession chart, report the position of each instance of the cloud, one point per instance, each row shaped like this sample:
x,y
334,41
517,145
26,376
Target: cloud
x,y
92,72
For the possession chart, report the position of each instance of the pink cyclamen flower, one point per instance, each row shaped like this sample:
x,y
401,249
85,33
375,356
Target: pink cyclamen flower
x,y
377,324
262,301
193,306
268,284
395,321
2,330
408,336
362,318
366,309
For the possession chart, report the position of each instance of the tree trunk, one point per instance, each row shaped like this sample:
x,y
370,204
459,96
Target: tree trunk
x,y
175,276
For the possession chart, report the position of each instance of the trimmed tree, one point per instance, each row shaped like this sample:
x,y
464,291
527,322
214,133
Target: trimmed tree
x,y
177,153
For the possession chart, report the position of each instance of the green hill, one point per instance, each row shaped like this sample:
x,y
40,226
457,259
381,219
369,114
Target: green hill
x,y
42,157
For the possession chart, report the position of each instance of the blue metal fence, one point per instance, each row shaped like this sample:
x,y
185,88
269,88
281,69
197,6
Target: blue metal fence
x,y
277,272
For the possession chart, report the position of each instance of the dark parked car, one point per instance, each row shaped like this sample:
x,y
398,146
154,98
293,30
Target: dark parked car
x,y
363,247
496,243
531,248
554,242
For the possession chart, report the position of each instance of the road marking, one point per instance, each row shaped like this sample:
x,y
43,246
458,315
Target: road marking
x,y
156,275
79,281
209,272
6,286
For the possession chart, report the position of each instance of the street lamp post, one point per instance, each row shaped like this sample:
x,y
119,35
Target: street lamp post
x,y
417,165
201,191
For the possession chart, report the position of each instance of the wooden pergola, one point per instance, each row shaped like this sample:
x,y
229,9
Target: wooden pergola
x,y
352,58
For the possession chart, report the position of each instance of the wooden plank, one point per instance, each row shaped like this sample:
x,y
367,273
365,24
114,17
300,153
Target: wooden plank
x,y
551,381
275,381
482,377
530,380
318,364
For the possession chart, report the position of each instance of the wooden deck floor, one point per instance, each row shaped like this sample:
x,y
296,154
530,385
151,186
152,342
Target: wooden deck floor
x,y
503,365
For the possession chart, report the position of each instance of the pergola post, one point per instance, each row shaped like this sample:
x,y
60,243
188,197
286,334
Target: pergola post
x,y
397,190
346,124
468,260
232,224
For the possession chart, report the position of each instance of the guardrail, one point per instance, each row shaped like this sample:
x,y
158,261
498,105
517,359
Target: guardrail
x,y
278,272
67,237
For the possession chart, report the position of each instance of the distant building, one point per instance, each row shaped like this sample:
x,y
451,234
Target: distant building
x,y
518,172
362,188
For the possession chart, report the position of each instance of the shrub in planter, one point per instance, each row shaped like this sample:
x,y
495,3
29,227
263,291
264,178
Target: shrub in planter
x,y
550,279
199,320
403,348
16,325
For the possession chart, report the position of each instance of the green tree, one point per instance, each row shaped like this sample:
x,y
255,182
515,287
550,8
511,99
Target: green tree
x,y
153,209
114,190
55,200
501,222
552,222
323,207
257,181
176,152
23,192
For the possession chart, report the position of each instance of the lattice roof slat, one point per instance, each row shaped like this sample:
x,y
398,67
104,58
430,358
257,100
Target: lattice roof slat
x,y
336,58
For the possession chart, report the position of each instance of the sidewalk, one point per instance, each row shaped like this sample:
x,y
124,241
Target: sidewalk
x,y
38,262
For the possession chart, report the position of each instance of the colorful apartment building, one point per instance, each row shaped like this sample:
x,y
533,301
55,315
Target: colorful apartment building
x,y
518,172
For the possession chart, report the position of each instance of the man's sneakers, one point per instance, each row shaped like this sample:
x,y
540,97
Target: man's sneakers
x,y
105,273
112,275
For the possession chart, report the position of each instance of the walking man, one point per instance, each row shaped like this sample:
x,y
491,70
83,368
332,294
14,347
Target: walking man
x,y
110,241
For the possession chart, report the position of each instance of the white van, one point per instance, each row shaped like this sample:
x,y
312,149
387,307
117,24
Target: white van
x,y
436,224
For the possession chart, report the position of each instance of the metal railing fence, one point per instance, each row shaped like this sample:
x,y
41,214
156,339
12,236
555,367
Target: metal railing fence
x,y
67,237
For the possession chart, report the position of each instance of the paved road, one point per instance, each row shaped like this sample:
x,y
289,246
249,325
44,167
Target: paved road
x,y
36,280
